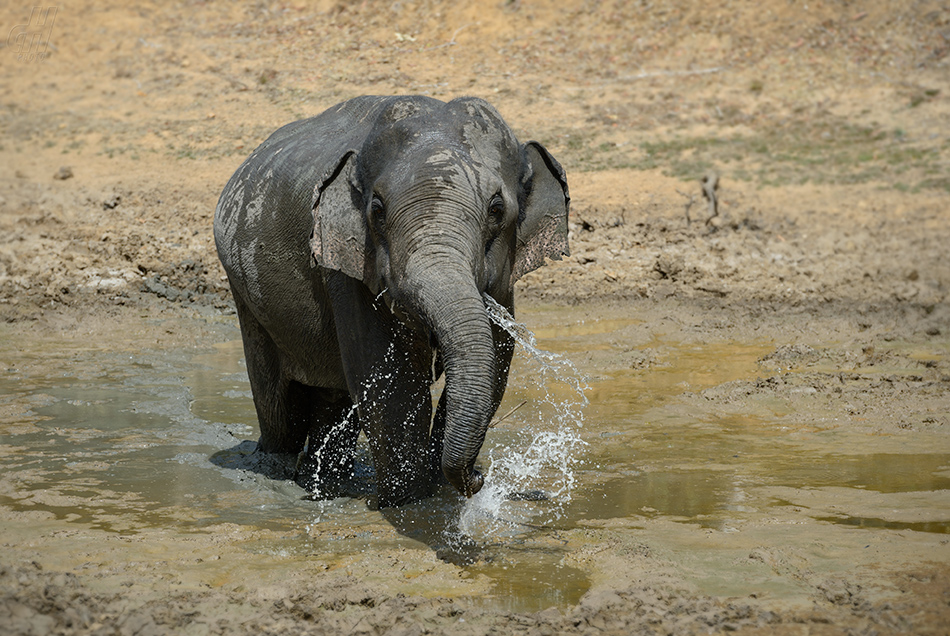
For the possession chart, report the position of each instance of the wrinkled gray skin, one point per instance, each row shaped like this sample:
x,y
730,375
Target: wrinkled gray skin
x,y
358,245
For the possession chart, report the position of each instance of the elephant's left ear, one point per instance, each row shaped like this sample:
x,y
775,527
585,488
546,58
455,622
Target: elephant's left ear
x,y
339,239
542,226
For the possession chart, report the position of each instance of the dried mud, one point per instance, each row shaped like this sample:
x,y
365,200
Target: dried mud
x,y
828,126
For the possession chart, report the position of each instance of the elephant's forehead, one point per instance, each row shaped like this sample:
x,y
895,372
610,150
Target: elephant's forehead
x,y
476,140
402,109
458,168
491,147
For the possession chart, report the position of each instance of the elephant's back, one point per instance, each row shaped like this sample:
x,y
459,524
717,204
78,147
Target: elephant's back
x,y
271,192
263,219
263,222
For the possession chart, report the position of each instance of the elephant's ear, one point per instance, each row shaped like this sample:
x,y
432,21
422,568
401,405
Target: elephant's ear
x,y
542,227
339,239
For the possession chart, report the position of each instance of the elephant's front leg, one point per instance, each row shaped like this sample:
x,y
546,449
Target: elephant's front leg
x,y
396,408
388,373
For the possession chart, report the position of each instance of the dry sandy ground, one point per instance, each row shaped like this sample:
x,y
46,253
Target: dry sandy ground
x,y
828,123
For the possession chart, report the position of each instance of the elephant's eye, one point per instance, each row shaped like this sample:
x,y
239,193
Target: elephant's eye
x,y
496,210
378,210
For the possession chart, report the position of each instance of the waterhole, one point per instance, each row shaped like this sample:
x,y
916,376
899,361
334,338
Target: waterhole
x,y
130,442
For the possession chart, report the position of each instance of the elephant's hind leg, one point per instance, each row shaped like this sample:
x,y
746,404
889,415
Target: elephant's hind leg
x,y
282,429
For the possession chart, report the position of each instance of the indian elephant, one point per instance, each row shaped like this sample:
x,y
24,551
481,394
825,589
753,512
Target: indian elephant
x,y
358,245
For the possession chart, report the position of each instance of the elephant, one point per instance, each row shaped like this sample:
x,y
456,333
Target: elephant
x,y
358,245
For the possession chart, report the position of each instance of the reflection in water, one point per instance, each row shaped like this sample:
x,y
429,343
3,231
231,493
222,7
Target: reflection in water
x,y
690,495
530,580
880,472
870,523
718,496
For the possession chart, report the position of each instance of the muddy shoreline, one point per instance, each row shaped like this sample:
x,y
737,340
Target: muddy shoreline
x,y
797,345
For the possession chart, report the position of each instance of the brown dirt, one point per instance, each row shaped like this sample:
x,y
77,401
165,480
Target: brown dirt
x,y
828,123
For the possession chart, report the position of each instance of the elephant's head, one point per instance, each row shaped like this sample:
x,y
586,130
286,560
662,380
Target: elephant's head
x,y
440,205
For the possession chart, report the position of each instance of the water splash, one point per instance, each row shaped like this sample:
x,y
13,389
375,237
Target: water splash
x,y
530,478
381,385
529,481
312,459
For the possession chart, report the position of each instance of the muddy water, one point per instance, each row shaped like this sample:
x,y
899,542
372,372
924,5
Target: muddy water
x,y
130,443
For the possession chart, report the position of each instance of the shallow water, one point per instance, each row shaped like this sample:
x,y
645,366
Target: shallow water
x,y
126,442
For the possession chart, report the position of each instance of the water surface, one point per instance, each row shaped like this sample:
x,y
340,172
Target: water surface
x,y
127,442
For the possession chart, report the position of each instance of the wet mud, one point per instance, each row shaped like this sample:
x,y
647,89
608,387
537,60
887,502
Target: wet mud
x,y
714,484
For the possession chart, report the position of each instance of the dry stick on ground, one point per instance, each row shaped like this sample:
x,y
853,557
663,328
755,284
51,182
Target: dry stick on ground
x,y
652,74
689,203
507,415
452,41
710,184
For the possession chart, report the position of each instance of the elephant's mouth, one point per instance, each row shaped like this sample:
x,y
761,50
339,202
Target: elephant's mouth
x,y
385,298
407,317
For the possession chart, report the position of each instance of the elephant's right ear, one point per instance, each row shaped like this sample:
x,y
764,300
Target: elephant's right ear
x,y
339,240
542,231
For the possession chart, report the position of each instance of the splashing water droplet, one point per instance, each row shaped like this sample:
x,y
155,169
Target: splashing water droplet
x,y
313,452
543,459
378,388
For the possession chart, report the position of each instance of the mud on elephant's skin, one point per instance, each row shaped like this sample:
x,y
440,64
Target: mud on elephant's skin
x,y
358,245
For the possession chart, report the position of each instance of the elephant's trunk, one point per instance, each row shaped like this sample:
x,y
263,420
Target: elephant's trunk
x,y
457,317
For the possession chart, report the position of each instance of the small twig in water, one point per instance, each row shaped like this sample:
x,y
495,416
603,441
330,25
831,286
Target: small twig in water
x,y
532,526
506,415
